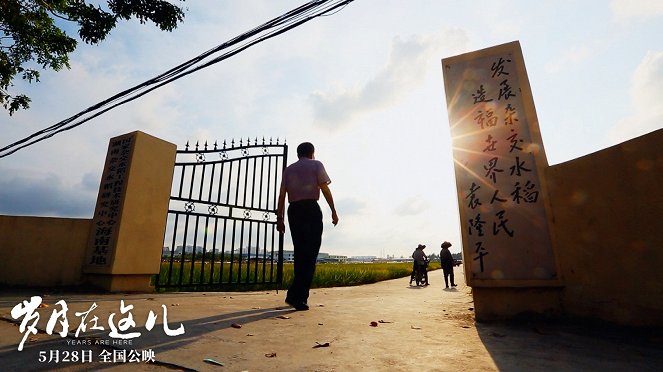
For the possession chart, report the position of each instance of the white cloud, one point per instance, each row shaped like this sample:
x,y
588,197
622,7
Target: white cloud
x,y
647,114
412,206
623,9
47,195
574,56
157,110
91,181
647,83
407,67
350,206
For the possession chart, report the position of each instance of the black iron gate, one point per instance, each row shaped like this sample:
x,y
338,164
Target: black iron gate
x,y
221,228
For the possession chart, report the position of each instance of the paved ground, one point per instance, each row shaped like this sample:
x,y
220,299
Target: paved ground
x,y
388,326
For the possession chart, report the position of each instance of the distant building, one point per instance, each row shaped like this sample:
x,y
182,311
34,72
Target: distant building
x,y
178,250
326,257
362,258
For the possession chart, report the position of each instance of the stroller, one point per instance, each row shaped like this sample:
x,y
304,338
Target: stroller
x,y
419,273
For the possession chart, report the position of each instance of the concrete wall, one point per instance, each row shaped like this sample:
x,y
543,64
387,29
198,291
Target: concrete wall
x,y
42,251
607,225
608,222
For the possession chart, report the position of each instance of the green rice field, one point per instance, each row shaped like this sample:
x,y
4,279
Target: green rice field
x,y
251,276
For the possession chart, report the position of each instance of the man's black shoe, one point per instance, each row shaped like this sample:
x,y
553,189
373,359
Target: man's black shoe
x,y
299,306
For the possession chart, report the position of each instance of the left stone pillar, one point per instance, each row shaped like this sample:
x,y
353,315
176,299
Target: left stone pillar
x,y
126,238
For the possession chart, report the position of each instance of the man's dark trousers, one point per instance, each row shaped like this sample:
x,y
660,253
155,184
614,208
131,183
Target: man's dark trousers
x,y
305,219
448,274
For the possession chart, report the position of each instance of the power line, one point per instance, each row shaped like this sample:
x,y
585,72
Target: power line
x,y
268,30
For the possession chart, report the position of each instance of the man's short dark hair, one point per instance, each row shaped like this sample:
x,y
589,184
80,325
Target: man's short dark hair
x,y
305,149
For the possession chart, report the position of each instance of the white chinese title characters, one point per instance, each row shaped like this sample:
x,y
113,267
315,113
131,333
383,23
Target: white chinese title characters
x,y
28,311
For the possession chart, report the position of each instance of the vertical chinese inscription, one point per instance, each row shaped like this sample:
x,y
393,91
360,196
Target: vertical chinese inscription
x,y
502,208
109,202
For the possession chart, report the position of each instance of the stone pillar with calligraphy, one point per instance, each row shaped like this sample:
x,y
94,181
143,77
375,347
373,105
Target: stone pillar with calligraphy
x,y
499,163
129,222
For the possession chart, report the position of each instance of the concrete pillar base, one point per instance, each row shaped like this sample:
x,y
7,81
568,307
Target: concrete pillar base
x,y
121,283
504,303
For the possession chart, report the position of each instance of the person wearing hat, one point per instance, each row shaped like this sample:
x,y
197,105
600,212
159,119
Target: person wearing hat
x,y
420,263
447,263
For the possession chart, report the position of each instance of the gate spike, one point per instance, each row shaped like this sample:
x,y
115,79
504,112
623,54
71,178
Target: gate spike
x,y
263,140
270,140
215,145
205,145
196,145
232,143
240,141
256,142
186,147
224,144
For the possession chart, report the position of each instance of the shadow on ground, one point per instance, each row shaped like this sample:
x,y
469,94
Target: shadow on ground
x,y
539,345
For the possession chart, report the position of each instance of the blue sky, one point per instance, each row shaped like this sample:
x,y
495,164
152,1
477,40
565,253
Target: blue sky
x,y
364,85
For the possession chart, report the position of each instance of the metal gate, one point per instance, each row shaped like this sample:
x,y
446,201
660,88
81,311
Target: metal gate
x,y
221,227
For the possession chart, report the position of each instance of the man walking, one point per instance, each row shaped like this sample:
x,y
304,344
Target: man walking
x,y
302,182
447,263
